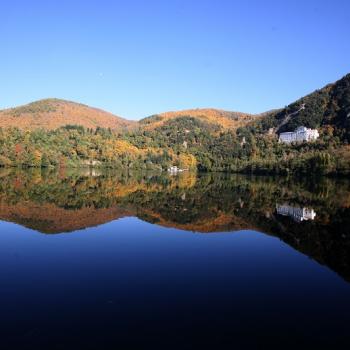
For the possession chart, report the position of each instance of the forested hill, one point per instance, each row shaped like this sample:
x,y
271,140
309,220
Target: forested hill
x,y
50,114
326,107
64,134
225,119
246,143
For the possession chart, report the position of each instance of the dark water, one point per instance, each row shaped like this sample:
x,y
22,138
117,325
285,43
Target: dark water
x,y
98,261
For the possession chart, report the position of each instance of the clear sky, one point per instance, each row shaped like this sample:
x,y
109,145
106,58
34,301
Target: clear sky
x,y
137,58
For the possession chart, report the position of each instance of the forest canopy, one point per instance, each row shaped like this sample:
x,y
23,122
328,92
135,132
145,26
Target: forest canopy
x,y
204,140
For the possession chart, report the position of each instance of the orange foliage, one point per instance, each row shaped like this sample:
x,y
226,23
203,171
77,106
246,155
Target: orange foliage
x,y
227,120
51,114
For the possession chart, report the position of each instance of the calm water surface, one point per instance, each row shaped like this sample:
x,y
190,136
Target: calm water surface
x,y
95,261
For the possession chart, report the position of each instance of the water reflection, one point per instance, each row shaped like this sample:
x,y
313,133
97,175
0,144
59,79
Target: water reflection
x,y
56,202
296,213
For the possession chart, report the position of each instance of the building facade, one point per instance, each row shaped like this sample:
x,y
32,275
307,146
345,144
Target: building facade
x,y
299,135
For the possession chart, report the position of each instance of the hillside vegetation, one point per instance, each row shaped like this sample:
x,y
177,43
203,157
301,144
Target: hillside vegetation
x,y
225,119
202,139
50,114
327,108
75,146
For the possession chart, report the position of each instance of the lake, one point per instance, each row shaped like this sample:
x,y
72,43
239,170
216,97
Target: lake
x,y
99,260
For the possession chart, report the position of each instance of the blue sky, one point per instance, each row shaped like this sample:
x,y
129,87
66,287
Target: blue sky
x,y
136,58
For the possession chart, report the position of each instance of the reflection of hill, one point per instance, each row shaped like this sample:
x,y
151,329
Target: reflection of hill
x,y
54,203
218,223
327,241
48,218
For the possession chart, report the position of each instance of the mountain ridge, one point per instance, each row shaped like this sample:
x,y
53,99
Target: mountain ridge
x,y
195,139
52,113
327,105
226,119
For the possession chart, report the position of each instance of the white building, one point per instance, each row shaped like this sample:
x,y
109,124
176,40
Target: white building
x,y
299,135
297,213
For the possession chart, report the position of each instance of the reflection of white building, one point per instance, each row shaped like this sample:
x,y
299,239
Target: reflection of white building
x,y
174,169
297,213
300,134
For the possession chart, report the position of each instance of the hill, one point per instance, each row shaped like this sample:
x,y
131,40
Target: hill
x,y
202,139
225,119
51,114
326,107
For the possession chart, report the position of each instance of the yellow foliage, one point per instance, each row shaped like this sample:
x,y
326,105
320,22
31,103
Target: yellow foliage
x,y
227,120
123,147
187,161
37,158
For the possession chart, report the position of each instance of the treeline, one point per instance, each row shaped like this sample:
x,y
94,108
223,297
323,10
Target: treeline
x,y
75,146
246,149
186,142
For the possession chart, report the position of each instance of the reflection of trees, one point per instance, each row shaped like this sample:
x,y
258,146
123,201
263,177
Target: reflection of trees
x,y
55,202
184,199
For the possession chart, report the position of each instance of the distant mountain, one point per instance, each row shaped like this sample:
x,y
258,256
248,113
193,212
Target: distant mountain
x,y
225,119
53,113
